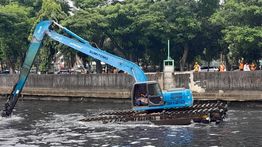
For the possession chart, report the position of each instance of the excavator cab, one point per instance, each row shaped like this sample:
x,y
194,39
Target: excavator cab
x,y
147,94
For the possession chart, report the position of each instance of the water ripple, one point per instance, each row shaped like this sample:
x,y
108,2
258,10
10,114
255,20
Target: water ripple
x,y
56,124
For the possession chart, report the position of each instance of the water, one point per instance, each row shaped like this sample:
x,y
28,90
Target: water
x,y
43,123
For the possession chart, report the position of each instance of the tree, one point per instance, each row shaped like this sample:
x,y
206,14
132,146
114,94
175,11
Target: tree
x,y
14,29
241,27
208,42
50,10
1,56
138,30
89,24
152,27
130,29
17,18
184,25
35,4
84,4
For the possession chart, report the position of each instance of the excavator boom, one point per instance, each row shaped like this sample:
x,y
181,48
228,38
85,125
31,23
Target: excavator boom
x,y
148,101
76,42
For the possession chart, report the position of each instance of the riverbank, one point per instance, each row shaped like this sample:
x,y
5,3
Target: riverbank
x,y
229,96
102,95
227,86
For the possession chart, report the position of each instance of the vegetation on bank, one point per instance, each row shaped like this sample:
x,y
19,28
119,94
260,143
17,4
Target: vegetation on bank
x,y
138,30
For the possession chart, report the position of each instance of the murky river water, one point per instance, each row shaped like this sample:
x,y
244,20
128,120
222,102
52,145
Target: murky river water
x,y
42,123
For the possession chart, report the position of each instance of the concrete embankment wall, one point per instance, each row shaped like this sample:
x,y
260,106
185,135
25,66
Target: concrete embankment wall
x,y
233,85
90,85
213,81
236,86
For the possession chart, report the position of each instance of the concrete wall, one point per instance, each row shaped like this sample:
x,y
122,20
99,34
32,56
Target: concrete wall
x,y
234,85
210,81
90,81
213,81
90,85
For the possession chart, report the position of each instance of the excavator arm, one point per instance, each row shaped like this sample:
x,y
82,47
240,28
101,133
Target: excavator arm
x,y
44,28
179,102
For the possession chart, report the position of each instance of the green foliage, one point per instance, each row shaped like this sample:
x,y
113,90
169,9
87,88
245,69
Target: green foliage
x,y
14,27
244,42
241,22
139,29
1,51
50,10
207,44
89,3
26,3
184,22
126,28
17,18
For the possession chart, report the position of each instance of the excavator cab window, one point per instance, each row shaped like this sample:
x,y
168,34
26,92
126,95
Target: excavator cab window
x,y
154,90
155,94
145,94
140,96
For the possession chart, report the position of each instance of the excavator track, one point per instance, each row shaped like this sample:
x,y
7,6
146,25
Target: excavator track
x,y
199,113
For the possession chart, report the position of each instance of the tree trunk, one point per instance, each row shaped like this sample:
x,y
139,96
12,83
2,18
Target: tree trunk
x,y
100,45
72,60
184,57
208,65
11,67
1,66
227,63
130,56
98,66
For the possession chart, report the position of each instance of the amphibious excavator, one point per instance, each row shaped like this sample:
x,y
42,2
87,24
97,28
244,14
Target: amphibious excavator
x,y
149,102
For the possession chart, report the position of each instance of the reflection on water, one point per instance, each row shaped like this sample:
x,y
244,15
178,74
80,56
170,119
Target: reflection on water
x,y
38,123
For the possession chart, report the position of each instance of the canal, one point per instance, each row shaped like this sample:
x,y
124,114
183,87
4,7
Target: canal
x,y
52,123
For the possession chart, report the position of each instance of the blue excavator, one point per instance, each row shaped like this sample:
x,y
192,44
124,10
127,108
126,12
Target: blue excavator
x,y
148,100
